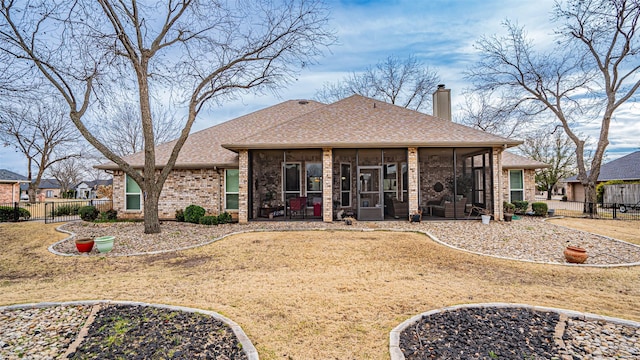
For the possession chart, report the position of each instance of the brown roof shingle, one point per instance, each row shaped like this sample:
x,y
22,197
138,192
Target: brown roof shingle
x,y
513,161
202,149
358,121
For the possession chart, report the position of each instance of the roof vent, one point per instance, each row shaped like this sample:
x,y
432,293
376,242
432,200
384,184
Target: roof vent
x,y
303,102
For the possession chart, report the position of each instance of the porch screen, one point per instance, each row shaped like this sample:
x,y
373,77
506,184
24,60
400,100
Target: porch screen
x,y
231,189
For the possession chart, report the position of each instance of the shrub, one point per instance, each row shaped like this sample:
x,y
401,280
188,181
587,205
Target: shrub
x,y
63,210
209,220
6,213
539,208
509,208
88,213
193,213
109,215
180,215
224,218
521,206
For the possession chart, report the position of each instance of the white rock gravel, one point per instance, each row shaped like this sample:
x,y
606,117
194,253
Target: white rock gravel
x,y
40,333
528,239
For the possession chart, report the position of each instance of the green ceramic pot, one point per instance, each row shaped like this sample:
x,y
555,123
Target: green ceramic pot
x,y
104,243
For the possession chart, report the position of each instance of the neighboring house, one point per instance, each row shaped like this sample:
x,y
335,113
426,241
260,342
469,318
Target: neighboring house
x,y
519,173
10,186
88,189
49,188
357,156
626,168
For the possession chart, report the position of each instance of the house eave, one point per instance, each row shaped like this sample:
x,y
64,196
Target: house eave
x,y
361,145
186,166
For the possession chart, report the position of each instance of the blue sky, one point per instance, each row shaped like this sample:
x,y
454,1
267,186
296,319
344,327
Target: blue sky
x,y
441,33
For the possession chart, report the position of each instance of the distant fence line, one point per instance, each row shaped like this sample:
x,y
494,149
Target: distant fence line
x,y
593,210
50,211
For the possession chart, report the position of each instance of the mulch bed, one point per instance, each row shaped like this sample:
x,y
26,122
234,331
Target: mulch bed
x,y
482,333
141,332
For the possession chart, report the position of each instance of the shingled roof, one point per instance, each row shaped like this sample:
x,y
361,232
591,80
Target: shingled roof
x,y
202,149
361,122
10,176
513,161
354,122
624,168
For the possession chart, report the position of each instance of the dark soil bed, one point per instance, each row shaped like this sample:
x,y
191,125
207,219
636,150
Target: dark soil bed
x,y
482,333
141,332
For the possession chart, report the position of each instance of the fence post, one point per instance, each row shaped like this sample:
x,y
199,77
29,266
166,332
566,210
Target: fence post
x,y
615,210
16,211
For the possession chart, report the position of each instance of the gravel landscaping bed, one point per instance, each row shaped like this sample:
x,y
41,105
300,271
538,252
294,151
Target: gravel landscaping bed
x,y
115,332
516,333
528,239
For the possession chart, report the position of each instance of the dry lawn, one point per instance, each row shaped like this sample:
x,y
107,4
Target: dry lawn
x,y
309,295
618,229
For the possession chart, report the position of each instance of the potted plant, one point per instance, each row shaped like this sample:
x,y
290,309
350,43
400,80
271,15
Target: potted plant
x,y
84,245
485,215
575,254
509,209
104,243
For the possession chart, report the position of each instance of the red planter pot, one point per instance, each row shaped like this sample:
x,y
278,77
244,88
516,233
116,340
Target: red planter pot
x,y
575,255
84,244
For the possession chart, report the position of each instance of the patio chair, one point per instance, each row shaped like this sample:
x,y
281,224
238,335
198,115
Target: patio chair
x,y
298,206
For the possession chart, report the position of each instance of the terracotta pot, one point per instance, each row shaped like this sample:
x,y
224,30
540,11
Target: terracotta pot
x,y
84,244
575,255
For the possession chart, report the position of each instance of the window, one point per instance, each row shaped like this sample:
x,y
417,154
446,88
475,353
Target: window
x,y
314,183
345,185
390,180
132,194
231,189
516,185
291,183
49,193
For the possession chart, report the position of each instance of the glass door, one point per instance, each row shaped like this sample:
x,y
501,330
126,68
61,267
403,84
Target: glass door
x,y
370,200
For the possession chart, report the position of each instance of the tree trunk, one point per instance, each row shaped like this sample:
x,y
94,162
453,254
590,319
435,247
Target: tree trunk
x,y
151,218
549,188
590,196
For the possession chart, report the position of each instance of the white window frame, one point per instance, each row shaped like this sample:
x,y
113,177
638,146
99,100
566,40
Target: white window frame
x,y
510,186
127,194
231,192
315,193
350,186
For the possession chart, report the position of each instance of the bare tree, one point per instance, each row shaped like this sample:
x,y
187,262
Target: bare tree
x,y
487,112
593,70
555,149
121,129
42,134
201,51
404,82
68,172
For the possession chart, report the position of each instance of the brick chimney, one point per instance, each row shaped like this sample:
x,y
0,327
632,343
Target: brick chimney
x,y
442,103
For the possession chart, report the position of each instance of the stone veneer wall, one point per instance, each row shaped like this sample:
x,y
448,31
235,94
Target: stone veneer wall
x,y
9,193
412,164
327,180
183,187
529,177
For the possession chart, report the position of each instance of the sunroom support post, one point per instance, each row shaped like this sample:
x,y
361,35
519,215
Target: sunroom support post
x,y
327,185
412,161
498,182
243,186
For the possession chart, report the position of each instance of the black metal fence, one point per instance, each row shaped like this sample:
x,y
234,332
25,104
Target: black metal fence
x,y
51,211
594,210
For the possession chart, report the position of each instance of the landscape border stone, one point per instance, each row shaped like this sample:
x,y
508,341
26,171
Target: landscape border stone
x,y
247,345
394,335
434,238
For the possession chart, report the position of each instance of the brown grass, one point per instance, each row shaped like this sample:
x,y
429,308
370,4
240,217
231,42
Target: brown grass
x,y
309,295
618,229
